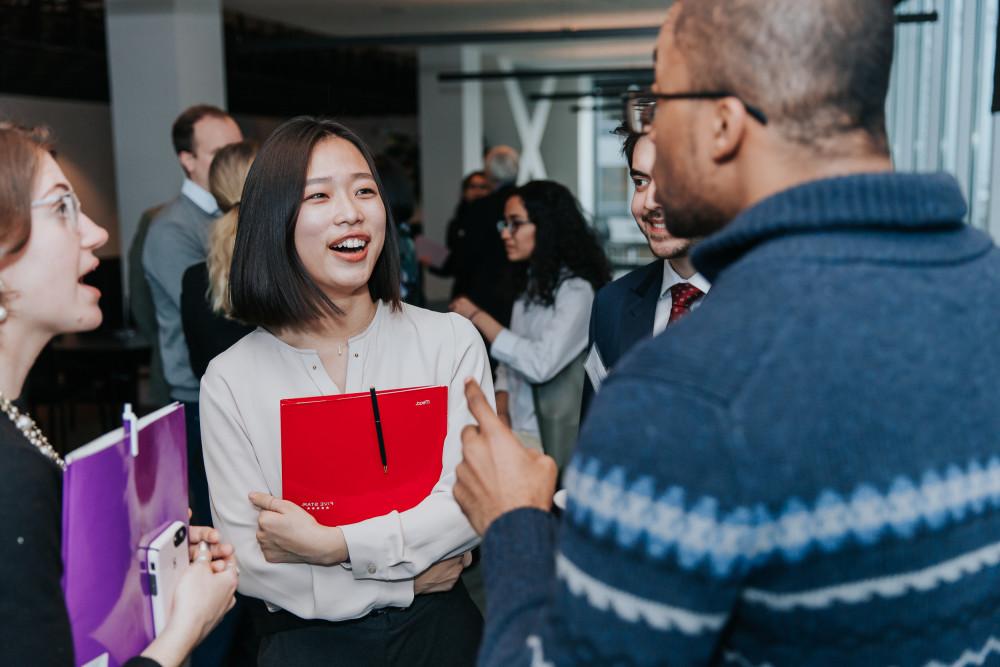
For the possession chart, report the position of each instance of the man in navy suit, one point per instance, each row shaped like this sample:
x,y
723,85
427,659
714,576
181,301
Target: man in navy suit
x,y
644,301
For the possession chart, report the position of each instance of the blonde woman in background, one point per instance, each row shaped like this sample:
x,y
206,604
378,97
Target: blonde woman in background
x,y
205,306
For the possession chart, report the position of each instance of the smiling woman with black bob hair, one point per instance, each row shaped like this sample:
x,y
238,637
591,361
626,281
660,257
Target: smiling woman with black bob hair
x,y
285,294
316,269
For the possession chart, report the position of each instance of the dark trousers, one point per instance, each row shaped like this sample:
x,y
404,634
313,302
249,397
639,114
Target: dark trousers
x,y
217,646
440,630
201,511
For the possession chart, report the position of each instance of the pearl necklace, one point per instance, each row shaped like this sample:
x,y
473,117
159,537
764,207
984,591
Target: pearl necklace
x,y
26,425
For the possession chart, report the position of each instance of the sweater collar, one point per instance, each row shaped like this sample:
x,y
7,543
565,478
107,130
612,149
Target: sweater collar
x,y
882,201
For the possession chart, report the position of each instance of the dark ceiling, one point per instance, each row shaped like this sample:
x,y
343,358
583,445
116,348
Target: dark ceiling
x,y
57,48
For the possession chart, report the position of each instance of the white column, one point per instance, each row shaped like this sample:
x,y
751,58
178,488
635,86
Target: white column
x,y
993,221
163,56
472,112
451,140
586,121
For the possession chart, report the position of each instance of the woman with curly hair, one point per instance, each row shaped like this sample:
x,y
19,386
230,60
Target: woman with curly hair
x,y
540,376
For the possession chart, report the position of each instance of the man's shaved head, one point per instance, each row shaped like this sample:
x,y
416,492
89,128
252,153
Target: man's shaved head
x,y
817,68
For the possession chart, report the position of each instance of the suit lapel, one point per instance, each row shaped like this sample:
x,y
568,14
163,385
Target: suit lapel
x,y
640,313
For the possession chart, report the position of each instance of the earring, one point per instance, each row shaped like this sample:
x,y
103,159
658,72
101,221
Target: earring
x,y
3,311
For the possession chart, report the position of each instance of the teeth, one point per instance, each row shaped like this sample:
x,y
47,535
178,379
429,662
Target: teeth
x,y
350,244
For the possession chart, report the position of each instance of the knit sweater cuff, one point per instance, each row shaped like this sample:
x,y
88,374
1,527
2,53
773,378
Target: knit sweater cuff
x,y
518,558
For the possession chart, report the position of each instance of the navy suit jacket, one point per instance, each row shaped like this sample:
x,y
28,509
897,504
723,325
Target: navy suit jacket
x,y
622,315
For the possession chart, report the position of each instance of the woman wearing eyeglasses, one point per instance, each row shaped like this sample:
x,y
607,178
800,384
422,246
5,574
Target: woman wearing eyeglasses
x,y
540,377
46,247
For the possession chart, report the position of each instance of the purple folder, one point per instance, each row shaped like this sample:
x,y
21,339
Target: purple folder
x,y
112,502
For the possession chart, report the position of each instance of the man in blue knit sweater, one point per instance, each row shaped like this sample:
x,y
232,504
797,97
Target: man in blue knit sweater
x,y
807,470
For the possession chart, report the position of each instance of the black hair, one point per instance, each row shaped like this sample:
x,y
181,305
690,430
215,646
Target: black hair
x,y
468,178
268,285
629,140
397,189
565,245
182,132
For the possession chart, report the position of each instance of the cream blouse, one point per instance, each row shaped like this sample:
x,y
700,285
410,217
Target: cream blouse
x,y
541,341
240,428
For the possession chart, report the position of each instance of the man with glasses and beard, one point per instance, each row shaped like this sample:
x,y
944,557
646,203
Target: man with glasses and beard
x,y
805,471
646,300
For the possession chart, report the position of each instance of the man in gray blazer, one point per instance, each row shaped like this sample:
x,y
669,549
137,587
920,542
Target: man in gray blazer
x,y
178,238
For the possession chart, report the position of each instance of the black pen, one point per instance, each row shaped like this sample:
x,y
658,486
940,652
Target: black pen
x,y
378,432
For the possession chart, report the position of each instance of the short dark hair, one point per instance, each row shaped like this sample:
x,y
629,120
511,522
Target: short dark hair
x,y
397,189
471,175
268,284
629,140
182,132
817,68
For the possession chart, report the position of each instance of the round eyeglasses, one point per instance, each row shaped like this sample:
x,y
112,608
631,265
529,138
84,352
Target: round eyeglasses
x,y
67,207
640,107
512,226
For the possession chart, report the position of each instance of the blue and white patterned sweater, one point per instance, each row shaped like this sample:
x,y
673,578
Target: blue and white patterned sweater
x,y
806,471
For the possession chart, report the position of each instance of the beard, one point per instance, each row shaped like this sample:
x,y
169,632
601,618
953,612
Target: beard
x,y
690,218
689,211
663,244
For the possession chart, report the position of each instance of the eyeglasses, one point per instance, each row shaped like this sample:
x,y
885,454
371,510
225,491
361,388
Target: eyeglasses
x,y
640,107
512,226
68,210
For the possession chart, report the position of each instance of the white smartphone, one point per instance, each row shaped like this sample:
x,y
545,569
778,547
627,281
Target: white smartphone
x,y
166,560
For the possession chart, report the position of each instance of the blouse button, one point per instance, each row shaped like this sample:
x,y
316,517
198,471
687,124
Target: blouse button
x,y
371,568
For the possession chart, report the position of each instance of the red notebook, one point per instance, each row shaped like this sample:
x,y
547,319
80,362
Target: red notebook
x,y
331,464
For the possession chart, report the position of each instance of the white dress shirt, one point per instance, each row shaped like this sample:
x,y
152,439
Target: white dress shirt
x,y
200,196
540,342
241,436
666,301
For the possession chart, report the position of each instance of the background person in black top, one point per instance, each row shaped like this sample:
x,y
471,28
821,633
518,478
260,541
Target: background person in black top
x,y
475,186
478,261
46,247
205,307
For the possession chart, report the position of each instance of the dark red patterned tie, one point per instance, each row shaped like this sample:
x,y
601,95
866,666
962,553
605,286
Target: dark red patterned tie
x,y
682,296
